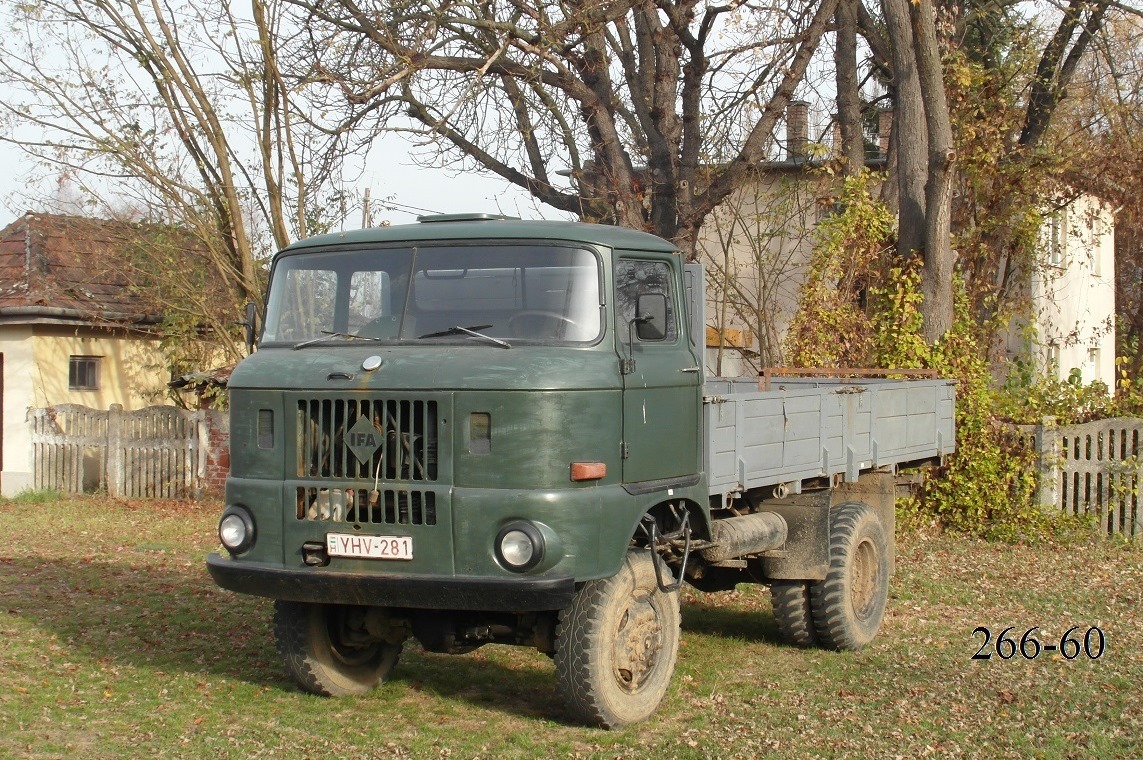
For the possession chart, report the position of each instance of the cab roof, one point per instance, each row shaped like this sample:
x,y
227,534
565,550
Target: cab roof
x,y
467,227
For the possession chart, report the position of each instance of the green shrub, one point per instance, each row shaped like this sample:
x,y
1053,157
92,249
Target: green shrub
x,y
988,486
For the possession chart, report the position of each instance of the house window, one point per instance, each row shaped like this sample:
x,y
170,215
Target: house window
x,y
1056,240
83,373
1097,246
1053,360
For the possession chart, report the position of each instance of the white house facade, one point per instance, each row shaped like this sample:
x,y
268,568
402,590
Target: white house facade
x,y
1073,292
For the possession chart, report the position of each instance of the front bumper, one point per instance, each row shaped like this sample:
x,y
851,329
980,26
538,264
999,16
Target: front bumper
x,y
372,589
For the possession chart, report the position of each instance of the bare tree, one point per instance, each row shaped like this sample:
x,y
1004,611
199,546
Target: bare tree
x,y
939,257
924,155
181,111
755,247
658,110
1081,21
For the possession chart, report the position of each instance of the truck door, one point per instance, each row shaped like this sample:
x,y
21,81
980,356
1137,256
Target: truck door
x,y
662,378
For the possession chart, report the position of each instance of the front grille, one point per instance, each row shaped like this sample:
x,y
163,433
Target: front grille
x,y
405,433
391,506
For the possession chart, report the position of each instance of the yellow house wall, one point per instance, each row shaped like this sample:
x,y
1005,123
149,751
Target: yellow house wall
x,y
131,372
36,359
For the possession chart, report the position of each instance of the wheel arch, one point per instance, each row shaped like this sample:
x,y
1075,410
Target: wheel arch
x,y
667,514
613,547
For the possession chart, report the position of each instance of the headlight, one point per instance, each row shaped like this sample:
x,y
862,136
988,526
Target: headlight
x,y
236,530
519,546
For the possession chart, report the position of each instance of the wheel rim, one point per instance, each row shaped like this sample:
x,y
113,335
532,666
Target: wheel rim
x,y
638,644
866,566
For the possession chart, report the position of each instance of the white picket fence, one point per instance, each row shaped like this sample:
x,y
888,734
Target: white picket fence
x,y
1094,469
157,452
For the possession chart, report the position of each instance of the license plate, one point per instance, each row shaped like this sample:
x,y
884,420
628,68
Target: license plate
x,y
368,547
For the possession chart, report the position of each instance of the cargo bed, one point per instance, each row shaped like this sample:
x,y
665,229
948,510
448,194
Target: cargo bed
x,y
808,428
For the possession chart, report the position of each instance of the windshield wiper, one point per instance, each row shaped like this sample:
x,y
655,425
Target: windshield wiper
x,y
326,335
472,331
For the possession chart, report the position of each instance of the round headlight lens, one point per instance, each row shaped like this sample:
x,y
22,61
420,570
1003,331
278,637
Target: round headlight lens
x,y
232,531
516,548
519,546
236,530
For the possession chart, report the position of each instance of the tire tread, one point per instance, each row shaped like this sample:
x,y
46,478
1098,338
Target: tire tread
x,y
793,613
581,664
292,638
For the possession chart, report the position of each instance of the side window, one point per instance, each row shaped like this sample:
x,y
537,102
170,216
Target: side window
x,y
635,278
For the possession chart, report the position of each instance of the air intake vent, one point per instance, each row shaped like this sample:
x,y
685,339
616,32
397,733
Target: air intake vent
x,y
367,439
386,507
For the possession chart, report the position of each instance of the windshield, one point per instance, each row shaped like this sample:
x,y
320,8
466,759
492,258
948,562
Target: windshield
x,y
516,293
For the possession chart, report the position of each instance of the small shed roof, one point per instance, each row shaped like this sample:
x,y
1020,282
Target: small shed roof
x,y
61,268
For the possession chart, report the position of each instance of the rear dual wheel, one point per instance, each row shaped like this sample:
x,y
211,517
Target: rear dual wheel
x,y
849,604
845,609
792,613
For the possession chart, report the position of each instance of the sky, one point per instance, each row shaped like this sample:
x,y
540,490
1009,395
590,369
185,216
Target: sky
x,y
389,172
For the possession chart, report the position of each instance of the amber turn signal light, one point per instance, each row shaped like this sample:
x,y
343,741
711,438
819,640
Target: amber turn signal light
x,y
588,470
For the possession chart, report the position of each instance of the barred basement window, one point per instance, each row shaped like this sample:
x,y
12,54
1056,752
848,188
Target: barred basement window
x,y
83,373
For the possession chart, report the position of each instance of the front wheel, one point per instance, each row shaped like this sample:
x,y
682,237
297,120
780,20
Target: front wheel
x,y
849,603
328,651
616,645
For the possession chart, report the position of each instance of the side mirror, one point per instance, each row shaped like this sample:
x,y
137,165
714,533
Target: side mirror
x,y
251,325
651,317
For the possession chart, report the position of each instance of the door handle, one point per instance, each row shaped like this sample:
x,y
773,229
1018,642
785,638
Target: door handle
x,y
691,369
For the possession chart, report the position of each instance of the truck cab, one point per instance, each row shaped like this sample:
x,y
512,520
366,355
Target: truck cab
x,y
468,417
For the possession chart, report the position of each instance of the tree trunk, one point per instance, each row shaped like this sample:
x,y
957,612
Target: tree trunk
x,y
939,258
891,188
910,143
848,93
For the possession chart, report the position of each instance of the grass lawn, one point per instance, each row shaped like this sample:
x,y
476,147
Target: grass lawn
x,y
114,642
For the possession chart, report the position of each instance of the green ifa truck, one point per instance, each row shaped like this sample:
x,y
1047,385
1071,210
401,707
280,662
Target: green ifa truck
x,y
476,430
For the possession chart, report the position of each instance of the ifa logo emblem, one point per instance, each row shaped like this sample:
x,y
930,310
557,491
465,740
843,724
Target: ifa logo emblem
x,y
363,439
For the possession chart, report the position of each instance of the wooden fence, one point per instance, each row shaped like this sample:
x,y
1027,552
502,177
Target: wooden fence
x,y
157,452
1094,469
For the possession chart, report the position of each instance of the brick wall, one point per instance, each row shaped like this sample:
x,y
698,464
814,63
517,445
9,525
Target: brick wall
x,y
217,452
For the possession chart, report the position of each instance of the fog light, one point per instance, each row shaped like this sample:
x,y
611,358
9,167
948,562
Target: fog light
x,y
236,530
519,546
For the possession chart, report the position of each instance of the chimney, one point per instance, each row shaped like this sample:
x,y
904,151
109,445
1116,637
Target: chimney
x,y
884,127
797,129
